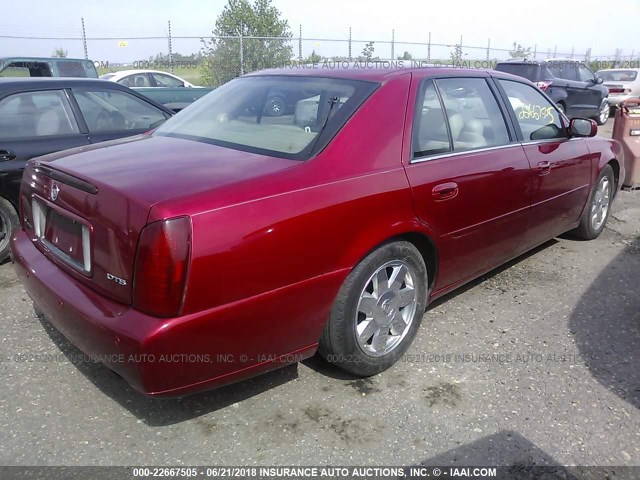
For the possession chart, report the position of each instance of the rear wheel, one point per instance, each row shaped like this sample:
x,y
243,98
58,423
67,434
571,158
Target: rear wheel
x,y
377,311
275,106
597,210
8,222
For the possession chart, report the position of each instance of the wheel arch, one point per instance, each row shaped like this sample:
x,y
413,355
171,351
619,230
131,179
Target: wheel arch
x,y
615,166
425,245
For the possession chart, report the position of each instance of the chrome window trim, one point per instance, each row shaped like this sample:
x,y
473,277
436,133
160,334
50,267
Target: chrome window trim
x,y
426,158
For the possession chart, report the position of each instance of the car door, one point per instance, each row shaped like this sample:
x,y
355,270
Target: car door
x,y
469,179
111,114
34,123
566,76
560,165
592,91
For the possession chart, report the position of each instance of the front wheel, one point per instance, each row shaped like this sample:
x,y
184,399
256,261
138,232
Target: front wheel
x,y
8,222
603,113
377,311
597,210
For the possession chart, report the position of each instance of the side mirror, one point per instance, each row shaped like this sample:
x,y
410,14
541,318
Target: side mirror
x,y
598,80
583,127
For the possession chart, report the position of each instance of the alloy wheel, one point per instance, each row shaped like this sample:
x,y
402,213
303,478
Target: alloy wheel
x,y
600,203
386,308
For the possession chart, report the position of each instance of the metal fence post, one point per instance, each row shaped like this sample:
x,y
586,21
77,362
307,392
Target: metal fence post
x,y
555,50
572,49
84,40
535,51
300,45
241,51
429,49
349,43
170,51
488,49
393,46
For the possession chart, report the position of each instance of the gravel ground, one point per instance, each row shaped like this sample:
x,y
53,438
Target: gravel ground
x,y
535,363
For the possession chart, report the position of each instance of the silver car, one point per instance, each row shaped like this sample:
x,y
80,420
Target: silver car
x,y
623,83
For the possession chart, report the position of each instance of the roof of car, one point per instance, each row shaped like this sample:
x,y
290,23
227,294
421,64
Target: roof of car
x,y
525,61
620,69
124,73
53,82
373,72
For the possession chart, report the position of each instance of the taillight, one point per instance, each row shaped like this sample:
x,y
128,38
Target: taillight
x,y
544,86
162,262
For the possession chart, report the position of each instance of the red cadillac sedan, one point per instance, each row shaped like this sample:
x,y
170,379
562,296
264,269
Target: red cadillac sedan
x,y
235,239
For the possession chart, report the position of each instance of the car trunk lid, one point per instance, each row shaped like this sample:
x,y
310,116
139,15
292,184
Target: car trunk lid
x,y
86,210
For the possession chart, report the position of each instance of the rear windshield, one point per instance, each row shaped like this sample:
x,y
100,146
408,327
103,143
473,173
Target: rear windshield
x,y
284,116
528,71
617,75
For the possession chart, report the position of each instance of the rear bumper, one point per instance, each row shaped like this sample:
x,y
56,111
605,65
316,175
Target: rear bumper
x,y
169,357
616,100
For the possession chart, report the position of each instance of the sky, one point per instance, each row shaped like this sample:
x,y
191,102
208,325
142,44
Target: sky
x,y
544,26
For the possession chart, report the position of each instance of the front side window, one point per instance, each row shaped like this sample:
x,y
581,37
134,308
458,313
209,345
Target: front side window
x,y
166,80
36,114
286,116
585,74
112,111
564,70
537,117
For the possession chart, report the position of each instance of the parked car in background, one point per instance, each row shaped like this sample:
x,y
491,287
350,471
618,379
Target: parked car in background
x,y
575,89
623,84
40,116
229,242
147,78
162,87
47,67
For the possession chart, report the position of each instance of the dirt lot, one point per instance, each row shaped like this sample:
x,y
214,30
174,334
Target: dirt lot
x,y
537,362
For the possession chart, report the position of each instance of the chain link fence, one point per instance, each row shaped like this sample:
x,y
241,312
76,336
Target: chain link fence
x,y
207,60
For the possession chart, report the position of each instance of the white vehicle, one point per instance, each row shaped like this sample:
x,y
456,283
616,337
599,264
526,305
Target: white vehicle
x,y
623,83
147,78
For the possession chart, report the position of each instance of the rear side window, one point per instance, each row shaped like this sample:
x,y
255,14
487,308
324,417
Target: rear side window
x,y
470,119
136,80
112,111
430,134
537,117
475,120
36,114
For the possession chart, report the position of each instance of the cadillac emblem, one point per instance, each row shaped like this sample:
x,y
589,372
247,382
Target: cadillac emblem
x,y
55,191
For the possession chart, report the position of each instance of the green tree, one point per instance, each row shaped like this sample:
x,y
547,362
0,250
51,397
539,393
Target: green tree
x,y
367,51
241,18
313,58
519,51
60,53
405,56
456,54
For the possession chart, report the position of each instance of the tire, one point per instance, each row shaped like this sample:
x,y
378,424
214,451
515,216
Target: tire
x,y
275,106
8,223
599,204
383,339
603,113
562,108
